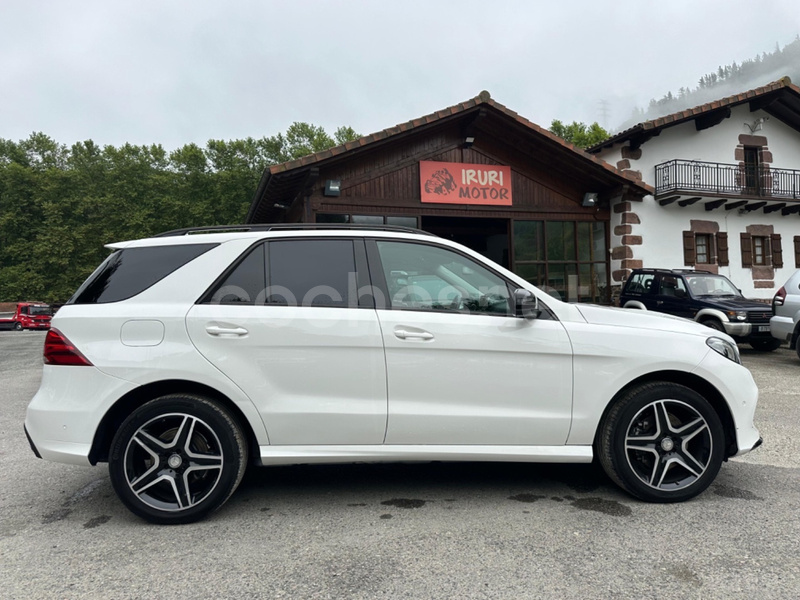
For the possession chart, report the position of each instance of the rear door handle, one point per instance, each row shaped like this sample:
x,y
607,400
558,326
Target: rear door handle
x,y
405,334
219,331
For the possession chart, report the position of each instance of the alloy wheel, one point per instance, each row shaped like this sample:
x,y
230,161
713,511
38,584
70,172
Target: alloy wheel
x,y
668,445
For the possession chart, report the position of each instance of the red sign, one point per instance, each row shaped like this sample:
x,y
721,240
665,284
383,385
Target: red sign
x,y
459,183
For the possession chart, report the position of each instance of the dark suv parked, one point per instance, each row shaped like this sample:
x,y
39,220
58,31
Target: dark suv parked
x,y
707,298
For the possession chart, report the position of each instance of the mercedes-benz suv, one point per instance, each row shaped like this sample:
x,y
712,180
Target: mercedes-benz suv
x,y
186,357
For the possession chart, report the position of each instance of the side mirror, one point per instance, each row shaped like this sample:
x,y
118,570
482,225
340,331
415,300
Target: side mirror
x,y
526,304
679,293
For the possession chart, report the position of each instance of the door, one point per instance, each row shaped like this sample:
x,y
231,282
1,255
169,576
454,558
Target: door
x,y
461,368
286,326
672,297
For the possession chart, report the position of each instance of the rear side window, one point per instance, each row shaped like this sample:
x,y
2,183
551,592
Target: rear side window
x,y
130,271
312,272
640,283
245,284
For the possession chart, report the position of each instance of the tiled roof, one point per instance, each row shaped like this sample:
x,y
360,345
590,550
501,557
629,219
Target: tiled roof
x,y
693,113
482,99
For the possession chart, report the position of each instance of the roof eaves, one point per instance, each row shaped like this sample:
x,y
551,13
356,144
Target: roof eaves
x,y
689,113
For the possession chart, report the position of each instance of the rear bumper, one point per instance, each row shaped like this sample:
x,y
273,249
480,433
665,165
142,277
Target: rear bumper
x,y
782,328
63,416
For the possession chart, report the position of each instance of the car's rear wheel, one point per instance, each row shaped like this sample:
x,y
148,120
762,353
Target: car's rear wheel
x,y
662,442
177,458
765,345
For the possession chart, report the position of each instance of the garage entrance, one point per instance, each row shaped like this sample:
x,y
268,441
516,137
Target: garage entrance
x,y
489,237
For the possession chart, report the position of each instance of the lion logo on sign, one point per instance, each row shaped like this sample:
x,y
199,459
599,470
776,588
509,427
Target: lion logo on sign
x,y
441,182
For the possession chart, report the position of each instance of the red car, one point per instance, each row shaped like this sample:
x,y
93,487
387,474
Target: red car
x,y
29,315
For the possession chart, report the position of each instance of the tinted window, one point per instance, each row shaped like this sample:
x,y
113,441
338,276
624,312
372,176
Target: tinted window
x,y
639,283
245,284
128,272
312,273
424,277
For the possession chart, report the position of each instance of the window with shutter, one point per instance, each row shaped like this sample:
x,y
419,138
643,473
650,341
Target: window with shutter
x,y
777,250
722,249
747,249
689,254
797,251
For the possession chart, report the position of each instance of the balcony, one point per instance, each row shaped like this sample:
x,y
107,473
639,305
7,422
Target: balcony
x,y
742,183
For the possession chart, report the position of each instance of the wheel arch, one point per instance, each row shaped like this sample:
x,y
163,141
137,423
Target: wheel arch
x,y
635,304
123,407
711,313
693,382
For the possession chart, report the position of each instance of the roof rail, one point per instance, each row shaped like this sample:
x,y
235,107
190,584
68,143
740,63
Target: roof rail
x,y
289,227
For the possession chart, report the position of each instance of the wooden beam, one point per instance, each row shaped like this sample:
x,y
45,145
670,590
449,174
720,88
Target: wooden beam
x,y
773,208
715,204
754,206
732,205
713,118
790,210
690,201
667,201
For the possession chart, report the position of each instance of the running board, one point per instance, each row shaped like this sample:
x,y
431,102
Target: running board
x,y
290,455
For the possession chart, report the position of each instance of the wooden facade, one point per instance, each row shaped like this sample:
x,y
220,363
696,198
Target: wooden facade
x,y
379,176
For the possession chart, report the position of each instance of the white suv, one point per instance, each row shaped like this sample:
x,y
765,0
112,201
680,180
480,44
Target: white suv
x,y
785,324
186,356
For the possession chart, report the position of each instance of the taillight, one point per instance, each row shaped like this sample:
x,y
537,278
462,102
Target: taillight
x,y
779,298
58,350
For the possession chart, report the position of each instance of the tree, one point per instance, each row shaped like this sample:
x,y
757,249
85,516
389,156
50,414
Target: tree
x,y
60,205
579,134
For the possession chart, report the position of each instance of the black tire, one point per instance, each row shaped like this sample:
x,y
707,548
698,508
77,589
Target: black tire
x,y
765,345
17,326
177,458
713,324
661,442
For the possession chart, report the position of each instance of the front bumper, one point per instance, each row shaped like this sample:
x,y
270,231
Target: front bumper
x,y
744,330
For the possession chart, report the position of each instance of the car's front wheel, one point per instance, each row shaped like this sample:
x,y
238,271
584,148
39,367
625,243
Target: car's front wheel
x,y
662,442
177,458
18,326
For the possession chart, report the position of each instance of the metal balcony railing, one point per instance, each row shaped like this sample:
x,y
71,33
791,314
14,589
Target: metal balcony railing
x,y
755,181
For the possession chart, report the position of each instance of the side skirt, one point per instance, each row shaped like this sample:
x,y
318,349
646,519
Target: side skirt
x,y
289,455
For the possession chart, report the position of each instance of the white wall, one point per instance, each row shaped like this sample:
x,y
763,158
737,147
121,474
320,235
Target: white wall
x,y
662,226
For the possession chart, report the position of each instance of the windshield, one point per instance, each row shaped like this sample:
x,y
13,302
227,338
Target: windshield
x,y
40,310
711,285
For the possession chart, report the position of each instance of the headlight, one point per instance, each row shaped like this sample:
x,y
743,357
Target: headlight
x,y
739,315
725,348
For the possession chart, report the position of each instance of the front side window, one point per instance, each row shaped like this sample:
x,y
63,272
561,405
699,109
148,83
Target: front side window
x,y
425,277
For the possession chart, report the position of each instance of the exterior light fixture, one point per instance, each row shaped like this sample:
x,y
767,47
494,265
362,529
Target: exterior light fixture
x,y
333,187
589,200
468,141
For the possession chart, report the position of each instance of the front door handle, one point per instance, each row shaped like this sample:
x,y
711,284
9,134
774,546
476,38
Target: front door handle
x,y
218,331
405,334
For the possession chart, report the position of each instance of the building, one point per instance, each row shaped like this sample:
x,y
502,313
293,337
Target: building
x,y
477,173
726,177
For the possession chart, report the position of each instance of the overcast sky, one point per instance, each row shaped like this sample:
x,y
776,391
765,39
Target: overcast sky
x,y
174,72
